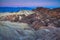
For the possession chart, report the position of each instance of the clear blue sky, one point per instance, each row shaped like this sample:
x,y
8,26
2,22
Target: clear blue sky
x,y
29,3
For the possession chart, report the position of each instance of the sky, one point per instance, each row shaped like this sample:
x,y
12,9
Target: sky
x,y
29,3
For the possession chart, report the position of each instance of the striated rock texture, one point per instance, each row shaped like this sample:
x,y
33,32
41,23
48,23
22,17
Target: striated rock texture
x,y
37,18
16,31
13,32
48,34
38,24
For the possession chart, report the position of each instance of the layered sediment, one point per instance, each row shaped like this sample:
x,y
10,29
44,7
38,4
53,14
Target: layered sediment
x,y
38,24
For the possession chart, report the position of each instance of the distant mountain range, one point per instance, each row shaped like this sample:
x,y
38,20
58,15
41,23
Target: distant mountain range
x,y
17,9
14,9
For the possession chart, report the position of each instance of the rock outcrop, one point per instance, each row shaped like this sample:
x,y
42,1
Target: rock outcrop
x,y
36,18
9,31
38,24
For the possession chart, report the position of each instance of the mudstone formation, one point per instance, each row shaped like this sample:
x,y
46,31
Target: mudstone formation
x,y
38,24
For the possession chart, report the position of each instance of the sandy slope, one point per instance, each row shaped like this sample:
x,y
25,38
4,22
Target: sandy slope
x,y
17,13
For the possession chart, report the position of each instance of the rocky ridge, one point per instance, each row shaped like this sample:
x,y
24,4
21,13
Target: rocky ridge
x,y
38,24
